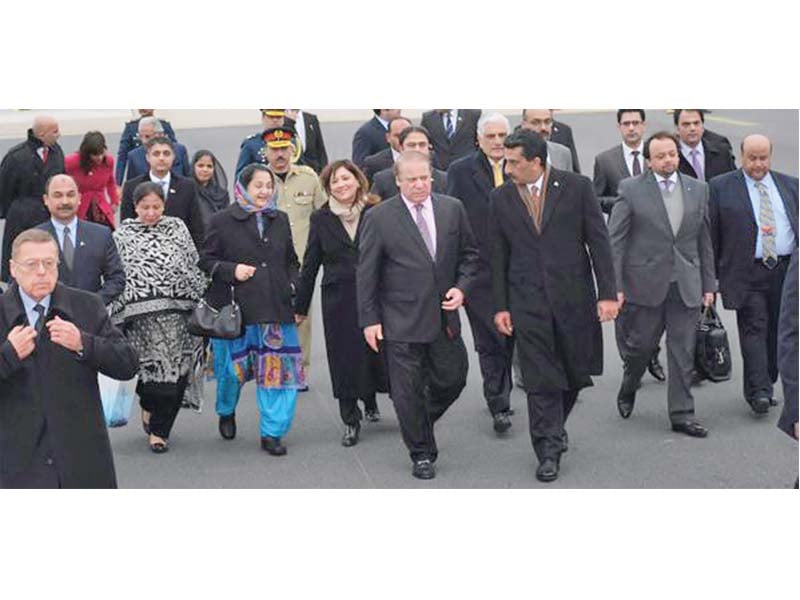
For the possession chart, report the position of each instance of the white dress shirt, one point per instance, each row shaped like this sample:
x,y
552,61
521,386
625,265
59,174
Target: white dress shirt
x,y
427,214
627,152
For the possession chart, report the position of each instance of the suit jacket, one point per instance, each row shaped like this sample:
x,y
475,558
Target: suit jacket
x,y
560,157
546,277
397,282
562,134
384,184
787,348
97,267
314,154
378,162
181,202
471,180
369,139
734,230
609,169
129,140
137,162
718,160
645,248
50,401
463,142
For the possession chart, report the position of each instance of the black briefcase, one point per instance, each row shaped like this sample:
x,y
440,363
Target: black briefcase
x,y
712,352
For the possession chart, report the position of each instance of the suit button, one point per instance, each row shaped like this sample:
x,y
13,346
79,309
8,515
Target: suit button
x,y
264,265
49,462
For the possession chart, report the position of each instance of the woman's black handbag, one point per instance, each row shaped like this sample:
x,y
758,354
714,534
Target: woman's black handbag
x,y
712,352
225,323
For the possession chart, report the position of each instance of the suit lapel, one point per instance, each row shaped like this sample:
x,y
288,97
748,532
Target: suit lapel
x,y
483,175
554,185
441,227
622,165
655,193
521,200
412,231
438,128
691,204
744,198
335,226
791,213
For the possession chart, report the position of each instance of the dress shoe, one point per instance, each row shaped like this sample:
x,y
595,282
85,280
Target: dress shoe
x,y
273,446
159,446
423,469
303,389
350,437
655,368
690,428
373,416
564,442
547,470
760,405
501,422
625,401
227,427
773,402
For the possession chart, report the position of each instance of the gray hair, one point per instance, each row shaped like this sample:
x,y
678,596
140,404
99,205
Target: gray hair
x,y
154,121
411,156
492,118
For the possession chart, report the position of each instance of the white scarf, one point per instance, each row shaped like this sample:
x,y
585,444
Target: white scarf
x,y
349,215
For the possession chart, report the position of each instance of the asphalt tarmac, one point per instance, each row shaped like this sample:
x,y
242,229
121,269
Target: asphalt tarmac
x,y
742,451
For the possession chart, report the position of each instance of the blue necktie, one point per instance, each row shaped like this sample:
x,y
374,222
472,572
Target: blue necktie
x,y
450,129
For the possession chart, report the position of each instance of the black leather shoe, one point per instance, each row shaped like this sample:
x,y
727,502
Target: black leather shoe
x,y
773,402
227,427
373,416
655,368
625,401
690,428
273,446
547,470
350,437
564,442
423,469
760,405
501,422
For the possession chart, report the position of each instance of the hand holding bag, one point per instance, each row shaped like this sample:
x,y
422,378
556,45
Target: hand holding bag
x,y
712,355
225,323
117,399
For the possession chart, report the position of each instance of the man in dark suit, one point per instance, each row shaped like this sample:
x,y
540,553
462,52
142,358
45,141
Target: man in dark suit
x,y
754,230
130,140
787,350
150,127
540,121
385,158
453,133
55,341
545,225
471,179
371,136
664,264
180,192
562,134
23,174
412,139
701,157
309,135
417,259
88,258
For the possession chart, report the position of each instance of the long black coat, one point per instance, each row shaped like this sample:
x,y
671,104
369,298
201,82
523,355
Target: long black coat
x,y
23,176
545,279
56,386
232,238
356,371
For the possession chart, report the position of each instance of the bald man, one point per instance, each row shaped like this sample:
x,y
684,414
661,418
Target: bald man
x,y
753,215
23,175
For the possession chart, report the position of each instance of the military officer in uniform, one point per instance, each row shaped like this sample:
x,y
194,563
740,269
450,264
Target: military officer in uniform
x,y
252,148
299,194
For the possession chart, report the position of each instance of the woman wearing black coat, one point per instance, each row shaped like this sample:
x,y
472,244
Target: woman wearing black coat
x,y
356,371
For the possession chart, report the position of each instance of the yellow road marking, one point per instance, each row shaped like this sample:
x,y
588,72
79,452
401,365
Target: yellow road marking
x,y
730,121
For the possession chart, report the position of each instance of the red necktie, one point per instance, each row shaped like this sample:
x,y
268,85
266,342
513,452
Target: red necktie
x,y
45,152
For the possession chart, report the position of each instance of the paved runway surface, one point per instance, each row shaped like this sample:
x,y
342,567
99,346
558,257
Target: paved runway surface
x,y
742,451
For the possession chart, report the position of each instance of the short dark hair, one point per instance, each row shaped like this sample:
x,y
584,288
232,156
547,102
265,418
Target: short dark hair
x,y
247,174
414,129
621,111
160,139
93,143
532,145
145,189
676,116
660,135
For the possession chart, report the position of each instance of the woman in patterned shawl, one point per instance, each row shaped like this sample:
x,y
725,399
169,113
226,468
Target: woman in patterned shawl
x,y
249,254
163,285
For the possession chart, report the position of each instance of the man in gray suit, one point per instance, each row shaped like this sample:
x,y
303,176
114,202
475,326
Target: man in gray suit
x,y
540,120
664,262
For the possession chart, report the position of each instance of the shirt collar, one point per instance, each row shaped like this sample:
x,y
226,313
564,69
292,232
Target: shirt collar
x,y
383,122
29,302
537,183
751,183
686,150
673,178
628,150
395,154
59,227
166,179
412,206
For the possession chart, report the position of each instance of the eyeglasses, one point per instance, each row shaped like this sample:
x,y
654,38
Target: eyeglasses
x,y
48,264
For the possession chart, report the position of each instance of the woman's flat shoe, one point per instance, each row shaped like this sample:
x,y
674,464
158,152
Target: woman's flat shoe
x,y
159,447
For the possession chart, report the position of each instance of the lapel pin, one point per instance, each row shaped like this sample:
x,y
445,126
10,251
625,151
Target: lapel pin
x,y
555,184
171,191
82,244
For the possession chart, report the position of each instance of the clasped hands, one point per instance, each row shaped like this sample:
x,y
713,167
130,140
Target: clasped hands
x,y
63,333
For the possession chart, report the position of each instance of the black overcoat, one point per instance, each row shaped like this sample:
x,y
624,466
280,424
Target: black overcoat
x,y
545,279
56,386
356,371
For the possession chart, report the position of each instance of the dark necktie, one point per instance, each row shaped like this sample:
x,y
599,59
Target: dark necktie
x,y
449,126
637,167
422,225
40,321
68,249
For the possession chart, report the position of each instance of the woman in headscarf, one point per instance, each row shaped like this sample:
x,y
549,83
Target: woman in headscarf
x,y
357,373
92,168
249,254
162,287
211,182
